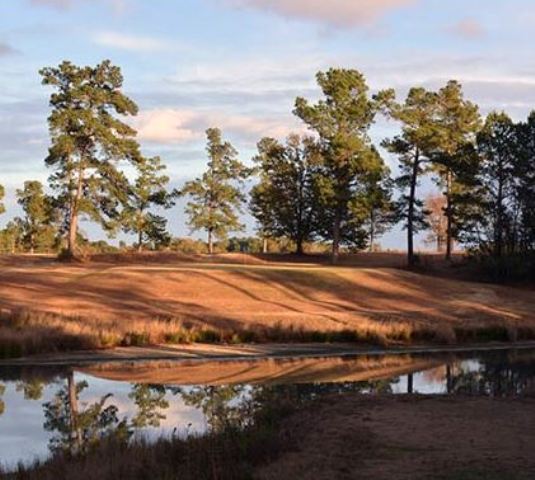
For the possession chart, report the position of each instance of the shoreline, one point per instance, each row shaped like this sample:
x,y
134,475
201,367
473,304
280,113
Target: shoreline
x,y
246,352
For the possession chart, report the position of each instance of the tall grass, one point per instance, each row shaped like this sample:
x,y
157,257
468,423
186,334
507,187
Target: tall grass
x,y
228,455
25,332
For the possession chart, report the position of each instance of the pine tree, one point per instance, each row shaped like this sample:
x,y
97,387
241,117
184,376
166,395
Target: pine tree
x,y
149,190
217,196
417,116
455,158
497,146
342,120
39,229
525,189
378,207
283,202
88,141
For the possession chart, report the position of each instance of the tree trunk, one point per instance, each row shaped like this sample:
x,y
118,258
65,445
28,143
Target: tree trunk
x,y
411,259
140,242
410,383
210,242
264,245
73,231
449,216
31,244
299,246
73,220
498,232
76,434
372,229
336,239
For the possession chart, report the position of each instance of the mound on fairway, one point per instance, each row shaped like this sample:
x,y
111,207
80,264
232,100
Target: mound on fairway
x,y
106,304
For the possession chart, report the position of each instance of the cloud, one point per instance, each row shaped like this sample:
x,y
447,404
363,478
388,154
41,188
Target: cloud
x,y
118,6
61,4
168,125
129,42
6,49
337,13
468,28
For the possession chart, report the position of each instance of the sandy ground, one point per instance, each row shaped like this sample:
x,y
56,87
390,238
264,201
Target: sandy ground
x,y
409,438
246,292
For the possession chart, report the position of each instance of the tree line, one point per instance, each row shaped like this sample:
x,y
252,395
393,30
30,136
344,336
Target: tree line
x,y
332,185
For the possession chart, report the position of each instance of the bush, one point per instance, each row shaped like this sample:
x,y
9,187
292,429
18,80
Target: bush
x,y
510,268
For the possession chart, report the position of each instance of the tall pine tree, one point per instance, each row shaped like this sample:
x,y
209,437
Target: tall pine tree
x,y
217,196
89,139
417,116
342,120
149,190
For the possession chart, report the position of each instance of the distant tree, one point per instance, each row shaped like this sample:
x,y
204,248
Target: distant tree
x,y
38,215
417,116
434,208
149,190
455,159
12,236
2,195
497,145
88,141
284,201
342,119
217,196
377,205
525,189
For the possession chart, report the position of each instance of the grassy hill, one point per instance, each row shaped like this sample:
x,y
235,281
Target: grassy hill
x,y
164,298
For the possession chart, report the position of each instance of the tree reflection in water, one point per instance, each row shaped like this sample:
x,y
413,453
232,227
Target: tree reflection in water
x,y
150,400
2,404
78,427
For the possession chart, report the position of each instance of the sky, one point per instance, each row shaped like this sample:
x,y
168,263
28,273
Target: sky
x,y
239,65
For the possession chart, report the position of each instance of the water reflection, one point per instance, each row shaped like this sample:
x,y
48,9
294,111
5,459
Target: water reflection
x,y
69,411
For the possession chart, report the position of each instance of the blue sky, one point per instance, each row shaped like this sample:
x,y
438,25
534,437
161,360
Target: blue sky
x,y
239,64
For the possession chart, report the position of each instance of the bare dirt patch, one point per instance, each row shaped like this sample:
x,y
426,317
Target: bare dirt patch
x,y
407,437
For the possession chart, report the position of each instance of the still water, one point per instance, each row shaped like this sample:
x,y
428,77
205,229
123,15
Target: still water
x,y
40,407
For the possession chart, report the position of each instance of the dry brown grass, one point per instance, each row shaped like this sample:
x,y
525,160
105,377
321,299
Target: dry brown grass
x,y
50,306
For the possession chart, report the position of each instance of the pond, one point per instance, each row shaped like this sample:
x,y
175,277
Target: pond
x,y
43,410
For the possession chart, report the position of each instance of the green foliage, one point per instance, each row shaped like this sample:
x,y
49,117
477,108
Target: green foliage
x,y
217,197
342,120
418,138
12,237
148,190
39,226
149,400
2,195
454,156
88,140
244,244
284,201
78,430
525,189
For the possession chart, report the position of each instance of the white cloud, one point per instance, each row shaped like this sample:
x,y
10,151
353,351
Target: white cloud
x,y
168,125
338,13
129,42
468,28
118,6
